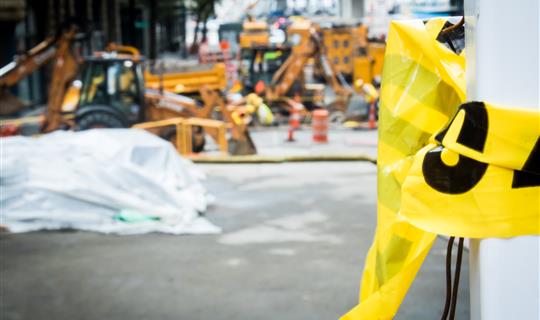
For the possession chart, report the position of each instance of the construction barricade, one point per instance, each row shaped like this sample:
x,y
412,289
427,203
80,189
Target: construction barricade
x,y
183,131
319,125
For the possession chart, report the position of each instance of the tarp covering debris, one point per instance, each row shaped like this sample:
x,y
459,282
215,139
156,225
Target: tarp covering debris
x,y
122,181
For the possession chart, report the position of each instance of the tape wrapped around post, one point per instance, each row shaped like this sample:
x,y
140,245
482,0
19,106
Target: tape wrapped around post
x,y
444,166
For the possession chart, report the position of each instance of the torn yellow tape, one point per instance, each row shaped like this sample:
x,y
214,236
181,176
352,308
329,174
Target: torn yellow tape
x,y
423,84
480,177
472,172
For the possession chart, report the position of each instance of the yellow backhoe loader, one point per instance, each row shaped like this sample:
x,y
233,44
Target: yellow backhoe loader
x,y
111,93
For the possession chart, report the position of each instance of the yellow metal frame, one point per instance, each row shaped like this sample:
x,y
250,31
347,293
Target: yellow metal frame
x,y
184,129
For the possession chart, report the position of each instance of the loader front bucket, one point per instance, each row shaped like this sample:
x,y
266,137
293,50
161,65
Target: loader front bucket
x,y
9,104
242,146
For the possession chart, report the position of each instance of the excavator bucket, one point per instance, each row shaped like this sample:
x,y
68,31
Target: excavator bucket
x,y
9,104
242,146
357,108
240,143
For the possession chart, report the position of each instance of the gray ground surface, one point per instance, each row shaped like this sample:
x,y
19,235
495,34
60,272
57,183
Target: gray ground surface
x,y
295,237
272,142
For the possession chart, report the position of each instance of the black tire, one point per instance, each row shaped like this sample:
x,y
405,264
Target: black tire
x,y
198,139
98,119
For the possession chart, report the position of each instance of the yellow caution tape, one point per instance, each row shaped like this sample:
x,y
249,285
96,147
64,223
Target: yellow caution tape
x,y
468,172
423,84
480,177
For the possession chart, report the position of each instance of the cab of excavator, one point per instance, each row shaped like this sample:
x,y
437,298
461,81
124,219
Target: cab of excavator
x,y
112,93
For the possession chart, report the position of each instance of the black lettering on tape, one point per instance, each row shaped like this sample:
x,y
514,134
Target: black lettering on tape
x,y
529,175
473,133
467,172
451,179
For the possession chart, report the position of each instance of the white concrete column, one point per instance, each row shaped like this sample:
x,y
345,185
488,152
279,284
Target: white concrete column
x,y
503,45
351,9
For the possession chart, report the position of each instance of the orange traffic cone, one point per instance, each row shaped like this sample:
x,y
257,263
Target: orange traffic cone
x,y
294,111
372,122
294,118
290,135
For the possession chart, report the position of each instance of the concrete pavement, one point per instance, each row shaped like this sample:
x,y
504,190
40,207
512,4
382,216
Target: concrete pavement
x,y
295,237
272,142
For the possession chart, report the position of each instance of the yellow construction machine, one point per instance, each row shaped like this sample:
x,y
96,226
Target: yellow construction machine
x,y
349,49
111,92
343,43
255,33
187,80
375,51
347,45
289,81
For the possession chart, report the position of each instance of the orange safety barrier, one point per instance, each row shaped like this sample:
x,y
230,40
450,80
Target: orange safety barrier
x,y
319,125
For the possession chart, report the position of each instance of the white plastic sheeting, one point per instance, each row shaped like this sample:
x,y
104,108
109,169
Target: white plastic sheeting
x,y
87,180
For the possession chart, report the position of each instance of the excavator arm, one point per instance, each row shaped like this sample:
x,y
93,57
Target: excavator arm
x,y
287,74
18,69
240,142
24,65
58,48
64,71
167,105
292,69
249,8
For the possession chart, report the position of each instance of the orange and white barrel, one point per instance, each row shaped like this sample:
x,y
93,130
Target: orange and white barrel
x,y
319,125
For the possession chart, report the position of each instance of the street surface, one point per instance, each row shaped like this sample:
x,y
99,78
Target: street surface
x,y
293,247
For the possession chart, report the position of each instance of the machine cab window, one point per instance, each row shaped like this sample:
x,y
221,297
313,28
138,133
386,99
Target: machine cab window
x,y
113,83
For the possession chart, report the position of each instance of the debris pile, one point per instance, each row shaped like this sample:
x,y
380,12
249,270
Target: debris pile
x,y
122,181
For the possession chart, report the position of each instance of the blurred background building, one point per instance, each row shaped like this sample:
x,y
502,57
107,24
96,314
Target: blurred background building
x,y
175,27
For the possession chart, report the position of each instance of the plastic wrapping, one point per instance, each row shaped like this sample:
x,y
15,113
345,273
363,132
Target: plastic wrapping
x,y
467,170
120,181
423,85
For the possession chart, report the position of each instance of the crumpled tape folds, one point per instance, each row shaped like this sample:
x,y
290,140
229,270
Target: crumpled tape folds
x,y
444,167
